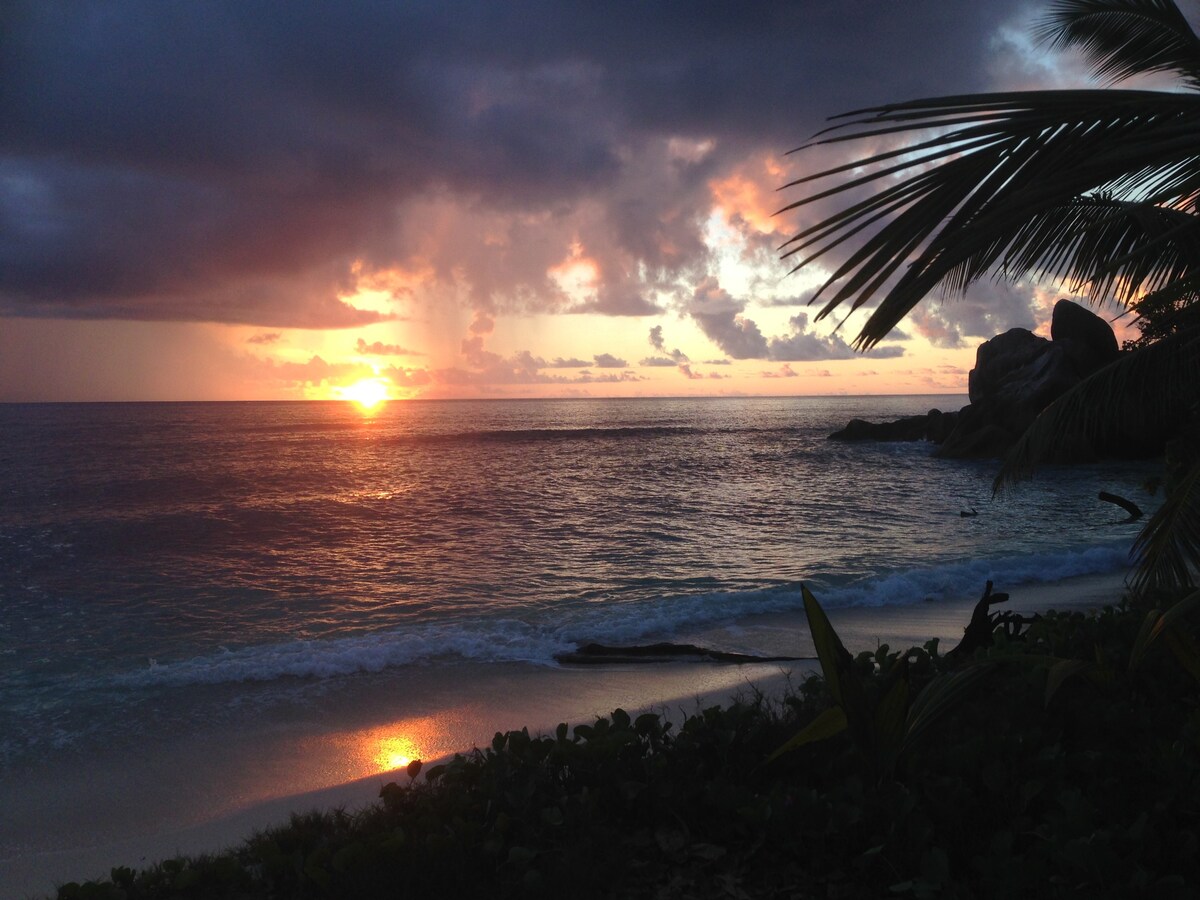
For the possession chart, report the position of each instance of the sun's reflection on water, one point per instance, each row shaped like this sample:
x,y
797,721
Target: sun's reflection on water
x,y
387,748
395,752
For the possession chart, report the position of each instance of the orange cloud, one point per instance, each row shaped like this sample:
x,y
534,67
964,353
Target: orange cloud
x,y
748,199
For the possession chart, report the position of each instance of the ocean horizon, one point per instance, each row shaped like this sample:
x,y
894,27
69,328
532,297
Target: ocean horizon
x,y
147,550
191,580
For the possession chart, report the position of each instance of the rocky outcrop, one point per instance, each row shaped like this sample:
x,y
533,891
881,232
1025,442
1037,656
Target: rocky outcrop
x,y
934,426
1088,340
1017,374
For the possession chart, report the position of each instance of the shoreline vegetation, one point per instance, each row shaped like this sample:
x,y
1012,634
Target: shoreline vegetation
x,y
1055,756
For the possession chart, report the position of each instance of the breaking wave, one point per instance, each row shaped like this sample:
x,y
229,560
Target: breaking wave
x,y
537,642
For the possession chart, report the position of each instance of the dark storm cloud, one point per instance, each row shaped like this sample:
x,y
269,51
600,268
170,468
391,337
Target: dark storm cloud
x,y
228,161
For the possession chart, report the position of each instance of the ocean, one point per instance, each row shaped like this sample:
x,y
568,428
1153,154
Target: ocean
x,y
166,568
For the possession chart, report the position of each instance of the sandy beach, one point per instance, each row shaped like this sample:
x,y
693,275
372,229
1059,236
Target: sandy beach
x,y
195,796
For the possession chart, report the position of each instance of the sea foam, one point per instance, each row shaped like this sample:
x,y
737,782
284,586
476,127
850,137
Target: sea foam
x,y
537,641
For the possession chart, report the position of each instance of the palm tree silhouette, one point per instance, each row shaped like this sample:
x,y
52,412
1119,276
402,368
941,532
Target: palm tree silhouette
x,y
1098,189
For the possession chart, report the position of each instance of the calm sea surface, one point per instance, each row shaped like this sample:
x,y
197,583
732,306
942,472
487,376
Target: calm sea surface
x,y
158,556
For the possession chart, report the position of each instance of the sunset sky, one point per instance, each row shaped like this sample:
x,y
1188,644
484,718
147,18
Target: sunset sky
x,y
231,200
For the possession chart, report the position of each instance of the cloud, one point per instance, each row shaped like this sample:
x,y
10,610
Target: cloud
x,y
600,361
608,361
482,323
676,356
657,362
378,348
784,371
607,378
686,370
315,371
722,319
221,162
484,368
407,378
786,302
265,338
989,308
802,345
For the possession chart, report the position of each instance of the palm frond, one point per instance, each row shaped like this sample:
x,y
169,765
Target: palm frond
x,y
1113,249
1124,38
1168,548
963,205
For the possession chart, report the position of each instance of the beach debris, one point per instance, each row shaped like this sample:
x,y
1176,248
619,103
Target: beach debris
x,y
1135,511
593,654
984,622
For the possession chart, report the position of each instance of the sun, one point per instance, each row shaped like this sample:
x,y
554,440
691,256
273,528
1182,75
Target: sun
x,y
367,392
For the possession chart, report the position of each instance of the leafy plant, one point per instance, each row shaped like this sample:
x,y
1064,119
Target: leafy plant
x,y
875,706
1097,795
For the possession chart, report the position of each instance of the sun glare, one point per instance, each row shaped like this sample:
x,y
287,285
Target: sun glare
x,y
395,752
367,393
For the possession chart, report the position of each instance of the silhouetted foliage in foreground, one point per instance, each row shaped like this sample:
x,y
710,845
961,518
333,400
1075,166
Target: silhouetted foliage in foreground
x,y
1072,768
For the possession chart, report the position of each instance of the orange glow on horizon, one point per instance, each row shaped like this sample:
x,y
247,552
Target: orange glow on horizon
x,y
368,393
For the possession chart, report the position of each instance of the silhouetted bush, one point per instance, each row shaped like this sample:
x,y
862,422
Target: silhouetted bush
x,y
1067,771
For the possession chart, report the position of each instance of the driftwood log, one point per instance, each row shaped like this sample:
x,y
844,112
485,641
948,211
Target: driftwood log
x,y
597,654
1135,511
977,635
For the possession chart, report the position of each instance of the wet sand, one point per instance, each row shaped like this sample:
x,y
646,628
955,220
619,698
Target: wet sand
x,y
192,796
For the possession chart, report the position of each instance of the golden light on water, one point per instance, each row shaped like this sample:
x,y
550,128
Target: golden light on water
x,y
368,393
395,752
387,748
